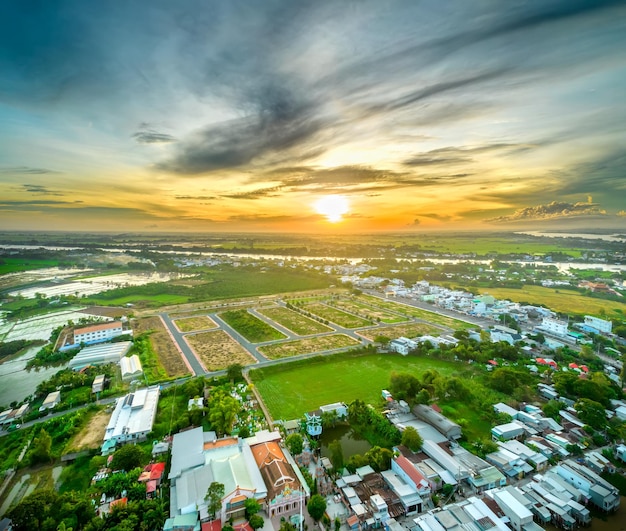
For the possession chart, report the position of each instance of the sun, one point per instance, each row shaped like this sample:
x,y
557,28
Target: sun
x,y
332,206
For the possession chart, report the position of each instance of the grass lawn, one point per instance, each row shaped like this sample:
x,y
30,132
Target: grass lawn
x,y
291,389
13,265
560,300
152,300
474,427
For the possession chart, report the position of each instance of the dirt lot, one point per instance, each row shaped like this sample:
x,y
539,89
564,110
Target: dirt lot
x,y
307,346
106,311
191,324
91,435
162,344
217,350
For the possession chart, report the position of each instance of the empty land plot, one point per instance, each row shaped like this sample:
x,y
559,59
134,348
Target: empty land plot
x,y
191,324
419,313
297,323
217,350
91,435
251,327
290,389
367,310
336,316
167,353
287,349
409,330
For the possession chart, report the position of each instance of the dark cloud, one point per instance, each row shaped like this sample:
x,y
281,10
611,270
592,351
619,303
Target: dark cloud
x,y
40,190
255,194
553,210
433,215
25,170
461,155
153,137
197,197
35,203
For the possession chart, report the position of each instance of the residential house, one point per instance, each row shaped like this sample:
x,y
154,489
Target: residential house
x,y
51,401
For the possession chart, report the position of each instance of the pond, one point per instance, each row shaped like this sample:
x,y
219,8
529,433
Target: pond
x,y
16,383
351,444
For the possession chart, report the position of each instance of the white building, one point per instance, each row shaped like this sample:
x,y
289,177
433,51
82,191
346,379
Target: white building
x,y
98,333
554,326
130,367
51,401
132,418
100,354
601,325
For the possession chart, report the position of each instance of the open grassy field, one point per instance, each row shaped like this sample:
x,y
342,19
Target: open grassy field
x,y
560,300
287,349
191,324
409,330
140,300
251,327
367,311
14,265
291,389
297,323
418,313
336,316
474,427
217,350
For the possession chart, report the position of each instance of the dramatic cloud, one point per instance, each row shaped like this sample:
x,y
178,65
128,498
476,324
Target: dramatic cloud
x,y
553,210
152,137
470,112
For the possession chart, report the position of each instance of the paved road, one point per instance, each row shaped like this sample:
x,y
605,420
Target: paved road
x,y
185,349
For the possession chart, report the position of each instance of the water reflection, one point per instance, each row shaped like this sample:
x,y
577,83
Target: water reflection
x,y
351,444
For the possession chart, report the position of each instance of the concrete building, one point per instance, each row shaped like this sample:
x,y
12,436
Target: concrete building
x,y
132,418
441,423
554,326
519,515
98,333
508,431
402,345
339,407
601,493
98,384
51,401
601,325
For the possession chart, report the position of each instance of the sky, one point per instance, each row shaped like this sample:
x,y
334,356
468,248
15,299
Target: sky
x,y
312,116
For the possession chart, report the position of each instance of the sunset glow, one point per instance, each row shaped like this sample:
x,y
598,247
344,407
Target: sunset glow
x,y
483,115
333,207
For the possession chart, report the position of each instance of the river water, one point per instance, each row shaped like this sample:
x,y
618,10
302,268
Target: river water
x,y
16,383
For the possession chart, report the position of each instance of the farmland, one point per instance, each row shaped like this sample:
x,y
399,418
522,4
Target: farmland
x,y
339,317
297,323
287,349
217,350
291,389
251,327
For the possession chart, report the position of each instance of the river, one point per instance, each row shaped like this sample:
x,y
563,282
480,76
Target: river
x,y
16,383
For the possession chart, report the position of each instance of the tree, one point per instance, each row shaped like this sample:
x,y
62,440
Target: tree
x,y
42,446
336,455
379,458
256,521
234,372
412,439
294,443
223,410
252,507
552,407
316,507
591,413
128,457
213,497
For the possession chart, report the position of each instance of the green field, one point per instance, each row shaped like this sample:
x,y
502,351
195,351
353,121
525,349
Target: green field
x,y
15,265
287,349
297,323
560,300
336,316
251,327
291,389
418,313
149,300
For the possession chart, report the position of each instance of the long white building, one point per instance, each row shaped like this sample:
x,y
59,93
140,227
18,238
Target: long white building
x,y
98,333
